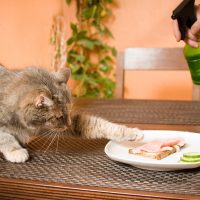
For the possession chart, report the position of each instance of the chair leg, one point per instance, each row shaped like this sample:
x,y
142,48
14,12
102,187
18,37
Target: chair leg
x,y
196,92
119,92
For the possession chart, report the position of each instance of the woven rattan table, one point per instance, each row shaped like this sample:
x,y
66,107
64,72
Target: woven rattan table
x,y
79,169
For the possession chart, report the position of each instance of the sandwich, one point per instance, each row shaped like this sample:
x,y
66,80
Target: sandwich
x,y
159,148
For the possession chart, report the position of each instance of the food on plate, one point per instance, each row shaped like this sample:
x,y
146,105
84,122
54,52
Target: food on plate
x,y
159,148
191,157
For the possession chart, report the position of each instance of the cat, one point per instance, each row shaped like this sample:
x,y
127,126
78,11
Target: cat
x,y
33,101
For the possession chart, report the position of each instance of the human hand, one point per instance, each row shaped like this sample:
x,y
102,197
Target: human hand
x,y
192,35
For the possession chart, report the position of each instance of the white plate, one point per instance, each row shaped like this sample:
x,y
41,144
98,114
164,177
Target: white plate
x,y
119,151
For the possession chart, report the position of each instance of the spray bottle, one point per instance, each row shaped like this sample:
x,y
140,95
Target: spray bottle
x,y
185,15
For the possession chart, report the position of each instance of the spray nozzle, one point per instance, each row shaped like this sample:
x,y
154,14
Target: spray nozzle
x,y
185,14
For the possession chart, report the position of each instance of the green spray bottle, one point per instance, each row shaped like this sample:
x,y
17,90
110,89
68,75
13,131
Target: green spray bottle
x,y
185,15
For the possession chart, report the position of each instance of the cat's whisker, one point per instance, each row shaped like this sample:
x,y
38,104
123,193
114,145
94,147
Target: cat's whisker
x,y
51,143
54,138
45,143
57,142
48,131
63,137
59,136
48,139
47,134
42,136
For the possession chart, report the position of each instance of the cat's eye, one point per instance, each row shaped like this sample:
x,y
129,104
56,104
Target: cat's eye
x,y
61,83
56,99
40,106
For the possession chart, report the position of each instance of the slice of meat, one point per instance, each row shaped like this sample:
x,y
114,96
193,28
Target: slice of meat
x,y
153,146
174,141
161,145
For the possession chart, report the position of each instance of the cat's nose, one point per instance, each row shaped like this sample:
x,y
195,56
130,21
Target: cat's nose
x,y
60,118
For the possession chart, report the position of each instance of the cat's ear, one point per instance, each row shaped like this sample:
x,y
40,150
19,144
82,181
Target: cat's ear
x,y
63,74
43,100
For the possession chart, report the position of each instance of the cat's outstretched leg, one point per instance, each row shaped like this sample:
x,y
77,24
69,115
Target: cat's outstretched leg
x,y
11,149
96,127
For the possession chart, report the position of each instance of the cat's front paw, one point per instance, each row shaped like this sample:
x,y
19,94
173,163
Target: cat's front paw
x,y
133,134
138,134
17,156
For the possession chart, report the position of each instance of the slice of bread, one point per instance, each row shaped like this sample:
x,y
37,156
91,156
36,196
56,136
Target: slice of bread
x,y
157,155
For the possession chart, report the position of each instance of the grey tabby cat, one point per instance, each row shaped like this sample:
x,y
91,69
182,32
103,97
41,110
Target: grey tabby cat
x,y
33,101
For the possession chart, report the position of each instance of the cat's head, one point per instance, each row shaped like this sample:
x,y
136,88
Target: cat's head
x,y
47,100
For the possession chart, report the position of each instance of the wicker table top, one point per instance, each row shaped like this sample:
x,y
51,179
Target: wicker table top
x,y
79,169
143,111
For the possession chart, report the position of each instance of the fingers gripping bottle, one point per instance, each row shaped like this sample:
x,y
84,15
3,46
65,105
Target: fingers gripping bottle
x,y
185,14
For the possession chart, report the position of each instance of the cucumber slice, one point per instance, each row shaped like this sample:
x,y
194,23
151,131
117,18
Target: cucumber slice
x,y
192,155
189,160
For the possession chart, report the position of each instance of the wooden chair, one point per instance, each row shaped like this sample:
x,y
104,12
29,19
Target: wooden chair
x,y
150,59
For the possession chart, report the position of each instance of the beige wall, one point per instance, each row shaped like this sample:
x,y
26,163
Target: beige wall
x,y
25,29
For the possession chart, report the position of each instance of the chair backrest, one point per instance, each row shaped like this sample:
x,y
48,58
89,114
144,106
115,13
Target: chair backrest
x,y
148,59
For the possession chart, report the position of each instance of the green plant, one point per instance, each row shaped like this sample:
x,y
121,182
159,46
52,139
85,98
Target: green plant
x,y
89,57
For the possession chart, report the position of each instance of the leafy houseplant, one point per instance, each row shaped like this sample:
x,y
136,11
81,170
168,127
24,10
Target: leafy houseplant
x,y
90,59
